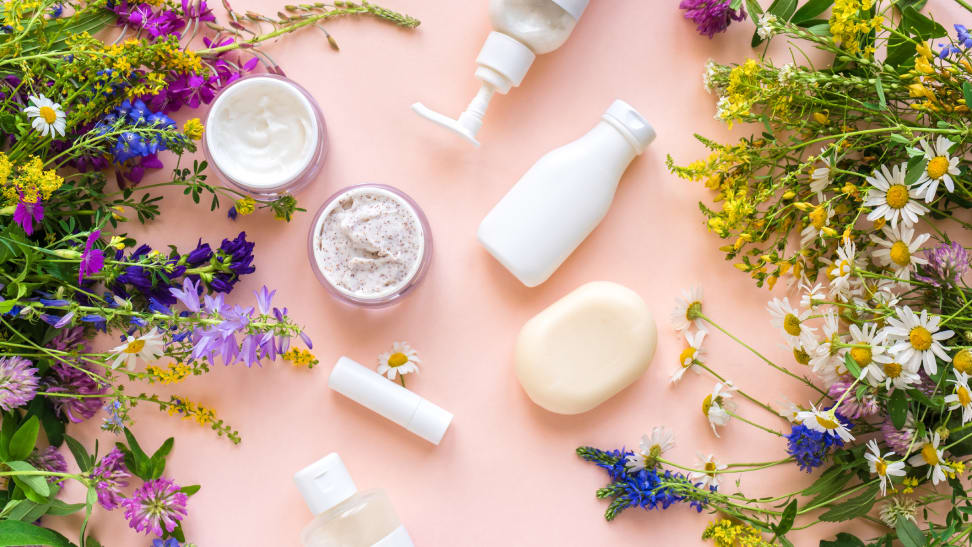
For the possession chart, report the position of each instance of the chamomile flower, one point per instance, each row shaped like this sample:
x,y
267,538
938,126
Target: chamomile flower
x,y
899,250
868,352
148,347
826,361
840,270
687,309
941,168
892,199
46,116
961,397
821,177
817,228
810,295
825,421
401,360
708,473
652,447
796,332
881,467
691,356
931,455
789,410
893,374
717,405
916,339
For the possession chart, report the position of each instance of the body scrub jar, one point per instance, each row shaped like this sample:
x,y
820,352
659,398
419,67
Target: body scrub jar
x,y
265,135
369,245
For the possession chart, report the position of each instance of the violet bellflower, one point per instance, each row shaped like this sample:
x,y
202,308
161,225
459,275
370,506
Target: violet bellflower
x,y
92,260
27,213
711,16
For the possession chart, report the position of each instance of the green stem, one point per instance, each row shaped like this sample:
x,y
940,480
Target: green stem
x,y
754,424
741,392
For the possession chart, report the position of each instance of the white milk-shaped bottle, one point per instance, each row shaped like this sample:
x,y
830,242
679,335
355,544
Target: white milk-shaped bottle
x,y
564,196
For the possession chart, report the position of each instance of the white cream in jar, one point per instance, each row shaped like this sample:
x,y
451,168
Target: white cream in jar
x,y
369,243
263,133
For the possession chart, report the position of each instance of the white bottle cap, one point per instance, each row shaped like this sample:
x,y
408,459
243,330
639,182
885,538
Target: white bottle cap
x,y
502,63
325,483
574,7
377,393
631,124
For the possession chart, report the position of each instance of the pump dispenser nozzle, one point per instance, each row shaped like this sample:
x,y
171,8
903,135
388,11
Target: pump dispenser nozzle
x,y
469,121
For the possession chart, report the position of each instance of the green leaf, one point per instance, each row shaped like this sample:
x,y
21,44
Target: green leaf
x,y
916,166
157,461
786,521
60,508
7,305
810,10
843,540
853,507
880,92
23,440
35,483
735,4
898,408
135,458
909,534
783,9
81,456
43,408
967,91
851,365
14,533
190,490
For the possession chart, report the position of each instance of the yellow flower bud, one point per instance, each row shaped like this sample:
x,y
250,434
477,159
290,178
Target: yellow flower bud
x,y
821,117
788,195
828,231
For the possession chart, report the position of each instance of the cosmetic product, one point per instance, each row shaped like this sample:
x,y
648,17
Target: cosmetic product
x,y
344,516
265,135
564,196
585,348
379,394
523,30
370,245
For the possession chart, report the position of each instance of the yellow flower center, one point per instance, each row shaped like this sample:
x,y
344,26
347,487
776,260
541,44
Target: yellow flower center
x,y
897,196
964,396
892,370
48,113
937,167
862,356
881,467
930,454
397,359
827,423
134,346
801,356
963,361
710,467
791,324
900,254
693,311
921,339
706,404
687,356
818,217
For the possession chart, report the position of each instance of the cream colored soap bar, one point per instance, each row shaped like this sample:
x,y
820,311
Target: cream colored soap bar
x,y
585,348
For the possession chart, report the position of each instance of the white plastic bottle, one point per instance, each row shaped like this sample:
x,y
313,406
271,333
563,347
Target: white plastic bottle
x,y
564,196
524,29
346,517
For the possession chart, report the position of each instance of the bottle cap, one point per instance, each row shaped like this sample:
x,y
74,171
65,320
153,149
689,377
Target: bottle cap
x,y
631,123
325,483
574,7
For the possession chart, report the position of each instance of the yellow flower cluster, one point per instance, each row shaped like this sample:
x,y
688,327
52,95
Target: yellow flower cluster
x,y
16,12
28,182
727,534
300,358
245,206
191,411
172,374
850,22
193,129
739,93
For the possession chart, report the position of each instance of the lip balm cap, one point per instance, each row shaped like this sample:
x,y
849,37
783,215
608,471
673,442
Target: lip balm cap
x,y
325,483
574,7
430,422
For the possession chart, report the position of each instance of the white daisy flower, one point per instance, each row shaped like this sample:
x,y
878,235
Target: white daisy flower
x,y
868,352
827,360
717,405
819,218
840,271
886,295
796,332
789,410
929,454
46,116
917,339
687,309
825,421
148,347
892,199
821,177
894,374
941,167
881,467
401,360
692,355
899,250
961,397
810,294
711,467
652,448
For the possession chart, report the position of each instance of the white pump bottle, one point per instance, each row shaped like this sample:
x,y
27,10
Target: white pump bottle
x,y
523,30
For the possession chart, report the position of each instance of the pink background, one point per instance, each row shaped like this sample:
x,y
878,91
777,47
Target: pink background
x,y
506,472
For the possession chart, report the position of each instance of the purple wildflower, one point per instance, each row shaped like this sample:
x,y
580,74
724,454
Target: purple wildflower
x,y
711,16
851,406
899,440
67,339
18,382
156,505
189,295
92,260
27,213
74,380
50,460
110,476
947,263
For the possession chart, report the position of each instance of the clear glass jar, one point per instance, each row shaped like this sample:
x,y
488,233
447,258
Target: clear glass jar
x,y
338,253
273,94
359,521
540,24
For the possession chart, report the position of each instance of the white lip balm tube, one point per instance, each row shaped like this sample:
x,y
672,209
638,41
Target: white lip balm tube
x,y
373,391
